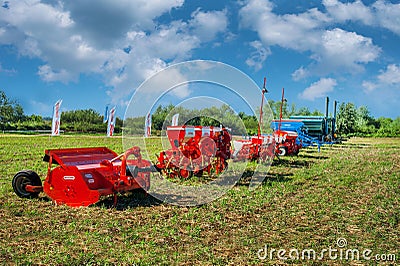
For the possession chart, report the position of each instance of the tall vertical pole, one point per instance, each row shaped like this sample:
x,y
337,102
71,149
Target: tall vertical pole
x,y
280,114
334,119
264,90
326,117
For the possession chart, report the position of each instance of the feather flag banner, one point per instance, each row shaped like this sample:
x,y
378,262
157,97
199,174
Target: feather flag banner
x,y
111,122
147,126
106,115
175,119
55,124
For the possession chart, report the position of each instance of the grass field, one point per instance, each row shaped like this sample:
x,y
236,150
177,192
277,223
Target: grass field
x,y
348,191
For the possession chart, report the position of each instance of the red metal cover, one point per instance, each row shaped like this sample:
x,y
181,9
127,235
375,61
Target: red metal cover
x,y
79,156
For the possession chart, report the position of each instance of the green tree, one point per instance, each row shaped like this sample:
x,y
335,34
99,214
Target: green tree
x,y
347,118
303,111
87,120
388,127
10,110
159,116
365,120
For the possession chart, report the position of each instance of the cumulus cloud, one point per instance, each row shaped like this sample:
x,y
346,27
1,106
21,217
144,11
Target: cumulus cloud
x,y
318,89
346,49
355,11
300,73
331,50
105,22
258,56
122,40
369,86
206,25
44,31
387,77
295,31
388,15
391,75
48,74
380,14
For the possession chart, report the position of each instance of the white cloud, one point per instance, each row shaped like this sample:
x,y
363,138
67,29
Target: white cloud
x,y
295,31
172,41
369,86
258,57
318,89
49,75
45,31
120,40
380,14
343,12
388,15
331,50
300,73
105,22
346,49
390,77
206,25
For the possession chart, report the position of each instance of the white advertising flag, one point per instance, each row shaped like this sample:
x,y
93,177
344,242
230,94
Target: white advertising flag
x,y
147,126
111,122
175,119
55,125
106,115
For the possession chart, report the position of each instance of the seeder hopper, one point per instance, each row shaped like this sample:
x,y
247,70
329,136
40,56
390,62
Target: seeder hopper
x,y
195,150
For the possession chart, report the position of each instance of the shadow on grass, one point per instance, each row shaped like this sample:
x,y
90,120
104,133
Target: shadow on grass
x,y
292,163
129,200
317,156
280,178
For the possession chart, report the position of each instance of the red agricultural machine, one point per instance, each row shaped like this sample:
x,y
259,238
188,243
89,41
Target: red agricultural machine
x,y
195,150
286,143
263,147
83,175
260,147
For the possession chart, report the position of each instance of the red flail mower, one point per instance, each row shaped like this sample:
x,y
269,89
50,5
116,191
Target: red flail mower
x,y
83,175
195,150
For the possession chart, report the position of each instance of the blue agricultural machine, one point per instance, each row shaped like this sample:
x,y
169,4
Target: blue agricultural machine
x,y
321,127
298,127
310,130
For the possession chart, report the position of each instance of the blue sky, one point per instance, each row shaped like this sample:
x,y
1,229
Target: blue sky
x,y
91,53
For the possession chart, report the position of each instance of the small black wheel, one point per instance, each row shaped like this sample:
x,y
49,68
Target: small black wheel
x,y
198,173
23,178
282,151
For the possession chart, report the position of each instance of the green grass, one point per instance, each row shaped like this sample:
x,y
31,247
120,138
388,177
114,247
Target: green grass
x,y
347,191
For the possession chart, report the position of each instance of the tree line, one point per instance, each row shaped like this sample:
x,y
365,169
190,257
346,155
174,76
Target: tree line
x,y
12,117
351,120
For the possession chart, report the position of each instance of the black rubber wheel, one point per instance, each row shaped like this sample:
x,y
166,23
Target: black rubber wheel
x,y
23,178
282,151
